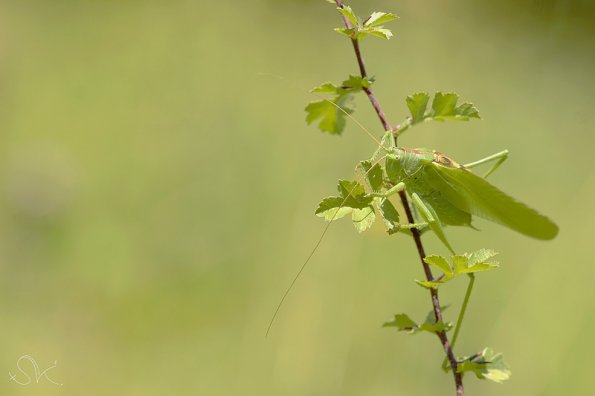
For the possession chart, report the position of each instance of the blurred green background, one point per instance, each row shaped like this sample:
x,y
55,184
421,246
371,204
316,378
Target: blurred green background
x,y
157,195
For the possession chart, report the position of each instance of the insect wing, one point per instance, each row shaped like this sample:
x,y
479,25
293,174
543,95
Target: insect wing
x,y
475,195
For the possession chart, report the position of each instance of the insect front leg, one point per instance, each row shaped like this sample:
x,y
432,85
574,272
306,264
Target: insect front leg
x,y
391,191
391,213
387,144
498,157
429,214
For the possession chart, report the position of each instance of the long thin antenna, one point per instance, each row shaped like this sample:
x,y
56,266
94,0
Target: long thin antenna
x,y
296,277
305,263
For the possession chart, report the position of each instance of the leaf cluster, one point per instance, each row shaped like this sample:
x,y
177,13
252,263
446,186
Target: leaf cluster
x,y
352,199
362,205
460,264
486,364
444,108
371,26
405,324
331,113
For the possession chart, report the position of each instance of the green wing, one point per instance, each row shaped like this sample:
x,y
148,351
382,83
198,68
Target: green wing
x,y
475,195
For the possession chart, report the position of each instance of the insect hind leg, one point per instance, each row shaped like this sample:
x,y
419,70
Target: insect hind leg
x,y
498,157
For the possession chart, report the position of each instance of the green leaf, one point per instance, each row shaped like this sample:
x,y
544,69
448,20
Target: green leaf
x,y
352,199
347,32
331,113
486,365
466,111
417,104
439,262
351,85
332,119
482,256
444,107
375,31
460,263
403,323
466,263
389,215
363,218
432,326
327,87
444,103
496,370
372,25
429,284
348,13
475,262
382,33
356,83
375,177
435,327
355,194
332,208
479,268
374,174
379,18
352,196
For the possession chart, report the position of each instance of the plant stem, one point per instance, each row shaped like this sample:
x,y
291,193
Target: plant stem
x,y
435,300
415,232
364,74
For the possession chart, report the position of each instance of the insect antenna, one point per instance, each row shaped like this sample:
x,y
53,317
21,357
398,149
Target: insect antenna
x,y
314,249
326,228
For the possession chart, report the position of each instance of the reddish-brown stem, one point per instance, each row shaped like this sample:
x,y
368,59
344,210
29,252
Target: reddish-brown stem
x,y
415,232
364,74
435,300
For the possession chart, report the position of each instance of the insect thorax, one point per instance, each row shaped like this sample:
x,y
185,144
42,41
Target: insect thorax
x,y
410,166
442,159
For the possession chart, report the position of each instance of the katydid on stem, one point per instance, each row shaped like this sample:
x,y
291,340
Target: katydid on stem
x,y
434,190
442,191
447,193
